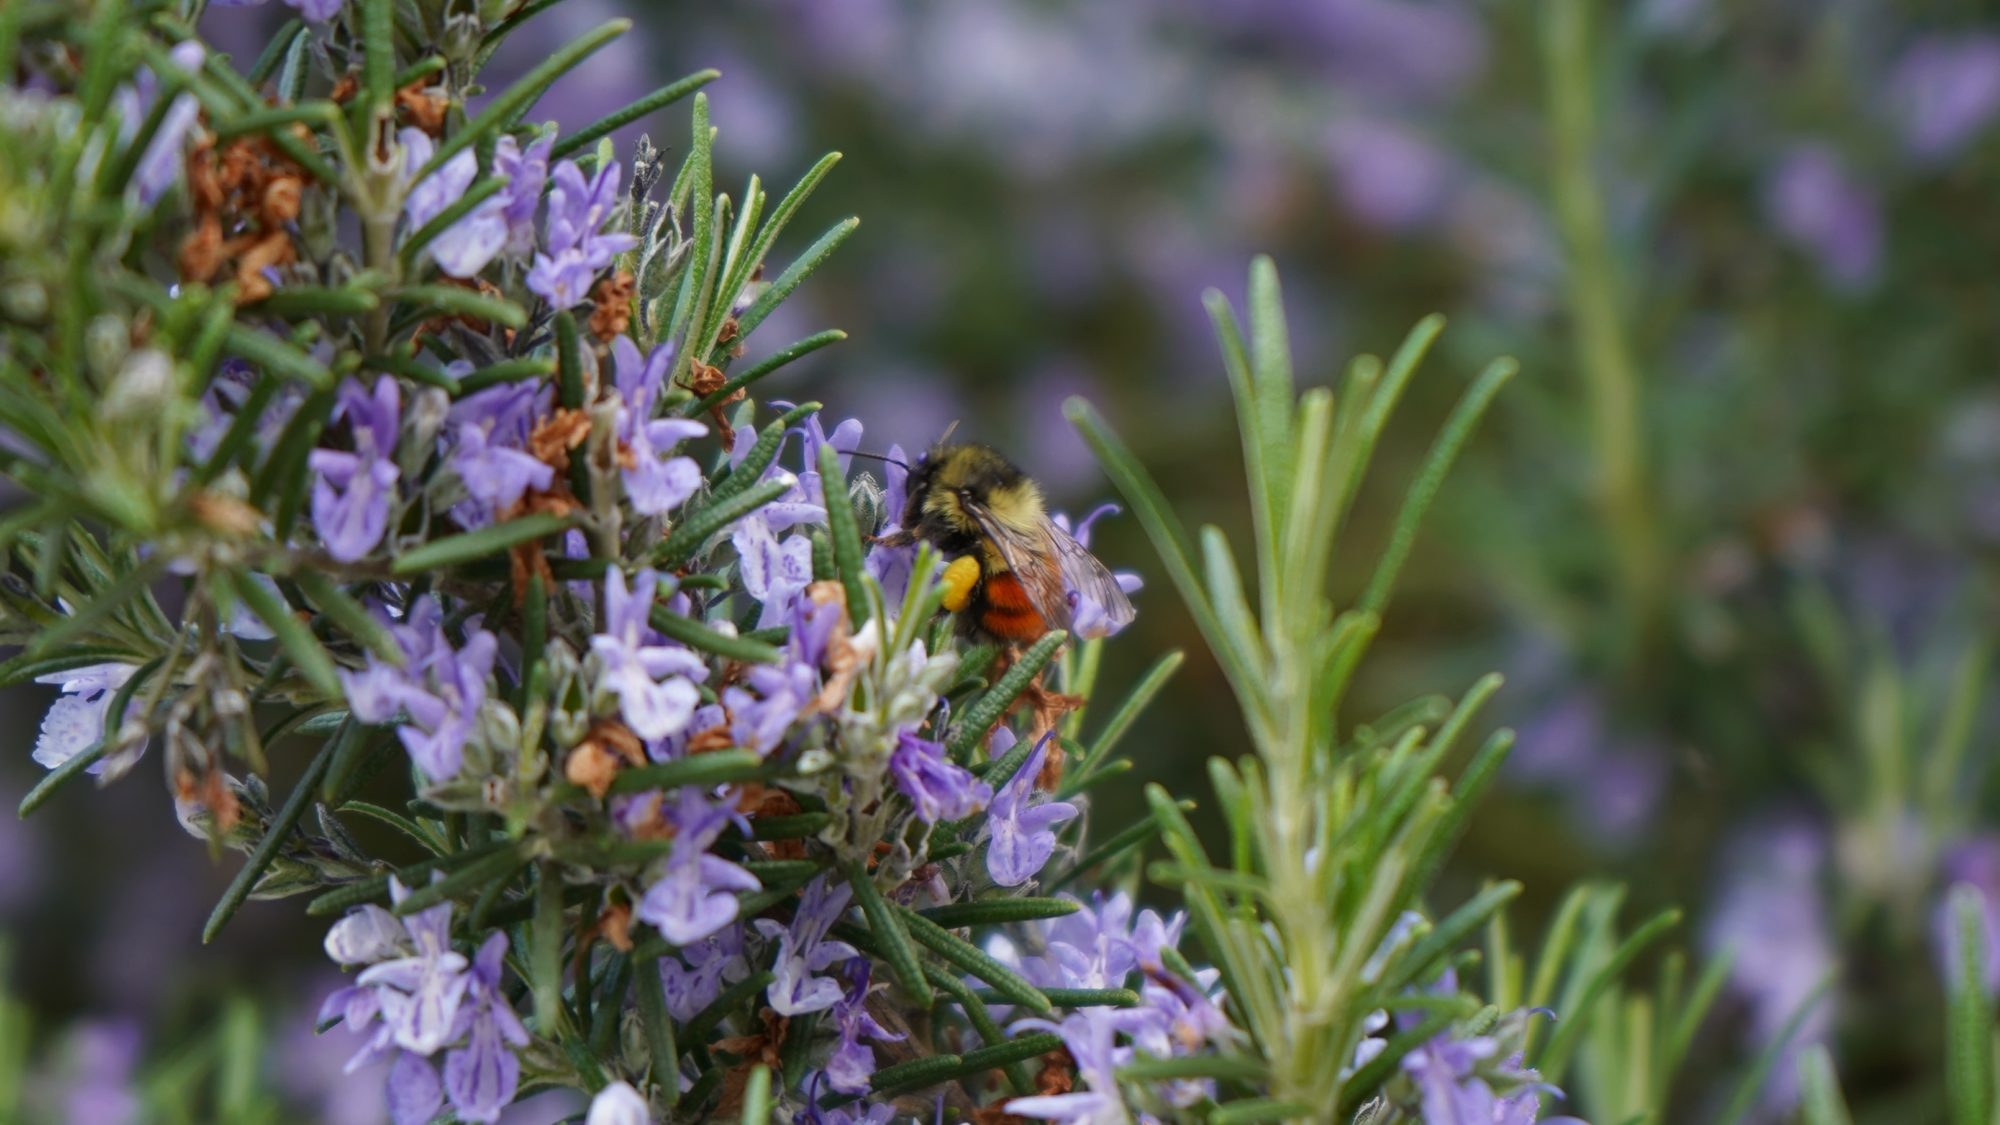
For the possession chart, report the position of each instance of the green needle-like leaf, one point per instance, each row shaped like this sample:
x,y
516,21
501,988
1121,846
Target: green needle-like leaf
x,y
294,636
974,960
713,768
617,119
890,937
457,550
267,849
971,730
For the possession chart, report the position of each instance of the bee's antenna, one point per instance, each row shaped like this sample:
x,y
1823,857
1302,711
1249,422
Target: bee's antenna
x,y
945,438
873,457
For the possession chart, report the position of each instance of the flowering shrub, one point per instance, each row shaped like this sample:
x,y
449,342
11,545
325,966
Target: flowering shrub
x,y
355,408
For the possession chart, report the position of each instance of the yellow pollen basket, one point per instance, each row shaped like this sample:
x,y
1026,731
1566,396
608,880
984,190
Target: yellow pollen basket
x,y
959,579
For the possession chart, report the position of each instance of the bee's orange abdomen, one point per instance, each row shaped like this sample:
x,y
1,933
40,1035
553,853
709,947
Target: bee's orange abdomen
x,y
1008,612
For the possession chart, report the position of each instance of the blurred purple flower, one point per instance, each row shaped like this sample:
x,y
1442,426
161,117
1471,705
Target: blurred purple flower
x,y
465,247
1390,176
1023,832
1771,912
940,788
100,1086
1975,863
1944,90
1825,212
160,165
575,249
770,699
654,680
496,475
773,572
803,950
351,497
492,427
1612,787
693,894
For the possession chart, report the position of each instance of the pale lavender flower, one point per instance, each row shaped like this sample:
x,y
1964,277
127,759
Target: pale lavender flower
x,y
1023,832
495,475
654,681
1090,1034
1088,616
421,989
803,950
940,788
78,719
441,690
770,700
773,572
414,1093
711,963
480,1078
160,165
527,172
852,1063
574,249
619,1104
655,482
1944,90
465,247
1820,207
101,1086
352,495
693,894
893,566
1772,914
1390,176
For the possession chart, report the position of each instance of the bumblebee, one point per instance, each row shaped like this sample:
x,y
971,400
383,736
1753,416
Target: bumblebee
x,y
1013,573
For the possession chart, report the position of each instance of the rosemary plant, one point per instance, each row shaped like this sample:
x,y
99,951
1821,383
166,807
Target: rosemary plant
x,y
364,422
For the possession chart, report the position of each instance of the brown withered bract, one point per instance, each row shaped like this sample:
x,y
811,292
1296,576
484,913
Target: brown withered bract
x,y
704,380
245,196
594,763
211,791
611,305
765,1047
615,924
226,514
424,106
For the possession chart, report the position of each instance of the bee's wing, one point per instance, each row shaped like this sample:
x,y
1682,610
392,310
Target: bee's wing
x,y
1082,572
1035,561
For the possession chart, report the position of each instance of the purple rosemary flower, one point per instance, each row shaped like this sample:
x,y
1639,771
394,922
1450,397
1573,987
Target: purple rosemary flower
x,y
619,1104
1944,90
408,1001
773,572
160,165
1089,618
481,1077
496,476
771,699
465,247
803,950
351,497
98,1080
1090,1034
654,681
852,1063
940,788
710,963
1023,831
441,690
318,11
527,172
414,1093
694,893
574,248
654,481
78,719
1820,207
